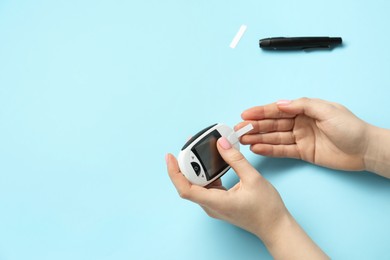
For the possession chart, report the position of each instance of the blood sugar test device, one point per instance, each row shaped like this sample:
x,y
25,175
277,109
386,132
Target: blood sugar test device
x,y
199,159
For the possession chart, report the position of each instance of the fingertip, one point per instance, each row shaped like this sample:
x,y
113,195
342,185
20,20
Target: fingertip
x,y
167,158
170,159
244,114
172,165
180,182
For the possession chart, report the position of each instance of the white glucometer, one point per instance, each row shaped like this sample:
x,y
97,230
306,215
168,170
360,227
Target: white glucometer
x,y
199,159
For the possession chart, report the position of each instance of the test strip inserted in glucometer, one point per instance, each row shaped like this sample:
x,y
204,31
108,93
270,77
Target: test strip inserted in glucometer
x,y
199,159
235,136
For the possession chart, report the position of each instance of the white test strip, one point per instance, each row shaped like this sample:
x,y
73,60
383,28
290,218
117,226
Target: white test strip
x,y
238,36
244,130
233,138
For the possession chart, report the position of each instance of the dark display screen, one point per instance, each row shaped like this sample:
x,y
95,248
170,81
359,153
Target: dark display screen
x,y
208,155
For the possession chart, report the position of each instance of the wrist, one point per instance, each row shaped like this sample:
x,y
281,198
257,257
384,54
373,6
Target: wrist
x,y
274,233
287,240
377,155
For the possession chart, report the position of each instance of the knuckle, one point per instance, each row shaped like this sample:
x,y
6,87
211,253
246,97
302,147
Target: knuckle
x,y
280,115
305,99
184,194
257,178
211,214
237,158
275,123
339,106
286,124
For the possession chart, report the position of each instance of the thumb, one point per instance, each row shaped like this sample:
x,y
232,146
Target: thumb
x,y
236,160
314,108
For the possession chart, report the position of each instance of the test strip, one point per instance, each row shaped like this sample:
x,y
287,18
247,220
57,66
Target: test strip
x,y
244,130
238,36
233,138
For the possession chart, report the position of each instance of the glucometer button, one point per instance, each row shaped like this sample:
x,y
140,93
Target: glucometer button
x,y
196,167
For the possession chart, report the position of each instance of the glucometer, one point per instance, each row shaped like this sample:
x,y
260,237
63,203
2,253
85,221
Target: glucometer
x,y
199,159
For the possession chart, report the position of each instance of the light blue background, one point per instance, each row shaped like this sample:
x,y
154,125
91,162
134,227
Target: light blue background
x,y
94,93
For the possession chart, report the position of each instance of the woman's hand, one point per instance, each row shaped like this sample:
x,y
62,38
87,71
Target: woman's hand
x,y
313,130
252,204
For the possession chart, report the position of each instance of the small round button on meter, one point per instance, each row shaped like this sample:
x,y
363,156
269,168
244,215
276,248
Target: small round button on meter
x,y
196,167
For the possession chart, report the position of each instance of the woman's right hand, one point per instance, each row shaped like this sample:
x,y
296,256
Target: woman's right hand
x,y
252,204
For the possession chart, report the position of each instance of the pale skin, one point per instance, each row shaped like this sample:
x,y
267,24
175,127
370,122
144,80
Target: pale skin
x,y
313,130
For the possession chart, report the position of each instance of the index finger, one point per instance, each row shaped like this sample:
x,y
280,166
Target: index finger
x,y
270,111
268,125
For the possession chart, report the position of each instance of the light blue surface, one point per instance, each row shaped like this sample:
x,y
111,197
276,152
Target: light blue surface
x,y
94,93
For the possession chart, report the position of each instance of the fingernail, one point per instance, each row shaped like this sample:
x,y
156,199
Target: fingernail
x,y
283,102
224,143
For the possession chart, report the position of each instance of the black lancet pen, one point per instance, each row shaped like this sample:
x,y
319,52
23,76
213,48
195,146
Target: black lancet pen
x,y
299,43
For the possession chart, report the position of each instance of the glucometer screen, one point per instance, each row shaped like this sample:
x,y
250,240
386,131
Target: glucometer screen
x,y
208,155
